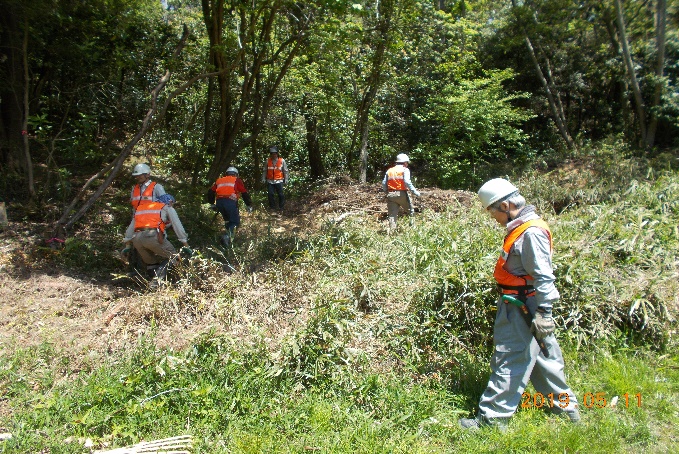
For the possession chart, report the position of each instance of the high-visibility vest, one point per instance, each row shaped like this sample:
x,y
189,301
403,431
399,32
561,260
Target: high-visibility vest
x,y
226,187
508,282
147,216
274,171
139,197
395,180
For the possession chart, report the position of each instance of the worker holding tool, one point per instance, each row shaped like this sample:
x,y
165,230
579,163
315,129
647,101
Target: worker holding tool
x,y
225,194
525,345
147,234
395,184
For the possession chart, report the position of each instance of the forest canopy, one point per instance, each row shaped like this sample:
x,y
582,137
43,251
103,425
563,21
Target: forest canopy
x,y
89,89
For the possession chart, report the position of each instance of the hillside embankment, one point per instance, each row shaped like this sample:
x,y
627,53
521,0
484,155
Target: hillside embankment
x,y
91,314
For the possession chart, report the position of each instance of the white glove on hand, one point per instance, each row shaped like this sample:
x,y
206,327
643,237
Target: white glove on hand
x,y
543,324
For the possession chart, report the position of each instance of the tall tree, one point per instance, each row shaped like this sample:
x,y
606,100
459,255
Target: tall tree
x,y
631,71
660,25
547,82
378,43
252,55
14,92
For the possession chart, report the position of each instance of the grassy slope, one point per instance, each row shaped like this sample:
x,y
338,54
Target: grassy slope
x,y
397,345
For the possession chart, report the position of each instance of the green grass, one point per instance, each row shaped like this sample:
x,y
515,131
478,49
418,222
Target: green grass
x,y
233,400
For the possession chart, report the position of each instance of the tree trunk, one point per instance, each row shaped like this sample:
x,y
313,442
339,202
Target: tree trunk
x,y
26,113
11,91
254,98
557,114
316,170
660,21
629,64
362,129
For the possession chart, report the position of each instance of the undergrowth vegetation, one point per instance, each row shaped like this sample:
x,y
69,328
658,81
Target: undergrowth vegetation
x,y
395,336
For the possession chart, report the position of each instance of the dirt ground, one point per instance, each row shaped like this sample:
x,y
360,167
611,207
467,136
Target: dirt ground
x,y
86,317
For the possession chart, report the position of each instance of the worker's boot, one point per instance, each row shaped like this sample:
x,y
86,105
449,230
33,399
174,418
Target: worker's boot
x,y
482,421
573,415
161,274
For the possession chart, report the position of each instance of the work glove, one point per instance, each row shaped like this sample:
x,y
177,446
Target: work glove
x,y
125,253
248,209
186,251
543,324
418,194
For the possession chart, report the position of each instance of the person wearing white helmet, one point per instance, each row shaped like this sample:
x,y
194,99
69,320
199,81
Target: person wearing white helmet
x,y
275,176
224,194
147,234
525,345
144,190
396,184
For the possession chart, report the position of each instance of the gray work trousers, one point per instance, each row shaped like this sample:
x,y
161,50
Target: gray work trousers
x,y
516,360
395,201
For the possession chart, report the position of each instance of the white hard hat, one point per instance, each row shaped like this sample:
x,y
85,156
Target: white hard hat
x,y
232,170
140,169
402,158
494,190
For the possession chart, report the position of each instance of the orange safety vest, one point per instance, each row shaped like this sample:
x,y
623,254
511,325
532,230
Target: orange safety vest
x,y
147,217
395,180
226,187
274,171
509,283
146,196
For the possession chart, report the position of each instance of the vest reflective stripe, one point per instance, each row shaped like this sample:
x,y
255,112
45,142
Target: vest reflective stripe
x,y
505,279
146,196
274,171
148,217
226,187
395,180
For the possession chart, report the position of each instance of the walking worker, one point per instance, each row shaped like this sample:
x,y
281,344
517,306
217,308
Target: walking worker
x,y
275,176
525,278
147,234
227,190
144,190
395,184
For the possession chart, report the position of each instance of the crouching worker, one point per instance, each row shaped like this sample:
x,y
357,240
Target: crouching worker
x,y
525,345
147,233
226,191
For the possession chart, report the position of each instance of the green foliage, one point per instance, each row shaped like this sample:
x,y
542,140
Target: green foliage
x,y
319,352
479,126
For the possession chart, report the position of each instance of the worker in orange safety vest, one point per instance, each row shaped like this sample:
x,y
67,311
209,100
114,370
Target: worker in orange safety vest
x,y
525,277
144,190
225,194
275,176
147,234
396,184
